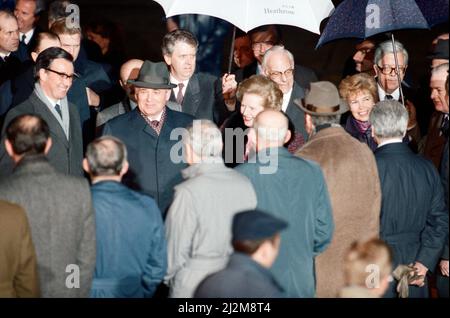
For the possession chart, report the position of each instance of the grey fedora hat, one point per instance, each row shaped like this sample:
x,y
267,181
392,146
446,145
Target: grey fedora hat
x,y
322,99
153,75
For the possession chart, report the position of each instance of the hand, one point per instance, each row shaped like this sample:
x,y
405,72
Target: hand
x,y
422,271
412,122
93,98
229,87
443,265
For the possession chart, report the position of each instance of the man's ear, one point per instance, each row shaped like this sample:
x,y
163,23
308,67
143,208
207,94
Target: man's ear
x,y
288,136
48,145
125,167
168,59
9,148
308,124
376,70
86,166
34,56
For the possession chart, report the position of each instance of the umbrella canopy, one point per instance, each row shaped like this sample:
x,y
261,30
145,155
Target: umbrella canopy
x,y
249,14
364,18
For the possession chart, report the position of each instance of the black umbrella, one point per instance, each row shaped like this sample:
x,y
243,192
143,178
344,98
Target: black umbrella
x,y
365,18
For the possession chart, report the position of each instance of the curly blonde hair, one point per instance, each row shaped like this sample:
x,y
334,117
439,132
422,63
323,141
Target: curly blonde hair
x,y
264,87
353,84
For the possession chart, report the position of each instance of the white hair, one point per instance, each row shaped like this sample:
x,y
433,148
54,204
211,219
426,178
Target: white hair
x,y
205,139
275,49
389,119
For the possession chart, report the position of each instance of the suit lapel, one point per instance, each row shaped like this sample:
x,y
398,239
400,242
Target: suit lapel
x,y
191,99
55,128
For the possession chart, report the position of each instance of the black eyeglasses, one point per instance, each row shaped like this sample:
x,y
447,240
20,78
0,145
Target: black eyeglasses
x,y
387,70
63,75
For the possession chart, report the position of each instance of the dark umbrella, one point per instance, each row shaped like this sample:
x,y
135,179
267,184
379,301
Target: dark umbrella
x,y
365,18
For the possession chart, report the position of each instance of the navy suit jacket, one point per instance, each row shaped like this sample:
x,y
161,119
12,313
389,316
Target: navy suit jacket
x,y
151,168
203,98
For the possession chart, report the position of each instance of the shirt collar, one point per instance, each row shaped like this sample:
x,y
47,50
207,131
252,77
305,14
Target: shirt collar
x,y
28,36
175,81
286,99
382,94
3,55
391,141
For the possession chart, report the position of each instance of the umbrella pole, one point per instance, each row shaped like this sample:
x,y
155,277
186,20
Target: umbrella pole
x,y
230,61
397,70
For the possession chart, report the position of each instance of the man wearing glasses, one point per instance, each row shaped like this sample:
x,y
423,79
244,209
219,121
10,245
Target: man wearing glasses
x,y
262,39
54,75
388,83
278,65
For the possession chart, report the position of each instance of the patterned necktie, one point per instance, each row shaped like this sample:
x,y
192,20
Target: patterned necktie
x,y
155,123
388,97
58,109
180,93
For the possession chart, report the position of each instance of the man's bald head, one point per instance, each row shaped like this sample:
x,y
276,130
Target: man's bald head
x,y
130,71
106,157
272,129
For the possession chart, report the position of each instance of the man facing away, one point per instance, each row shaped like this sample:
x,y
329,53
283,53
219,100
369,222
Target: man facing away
x,y
131,248
414,219
58,207
198,224
352,179
293,189
256,242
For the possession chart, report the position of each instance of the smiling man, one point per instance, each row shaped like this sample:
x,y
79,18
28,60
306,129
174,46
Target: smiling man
x,y
27,13
146,131
54,76
199,94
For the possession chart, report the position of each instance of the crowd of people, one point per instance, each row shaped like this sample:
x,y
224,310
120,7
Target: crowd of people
x,y
136,178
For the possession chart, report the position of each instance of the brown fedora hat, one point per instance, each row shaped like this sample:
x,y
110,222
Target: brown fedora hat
x,y
322,99
153,75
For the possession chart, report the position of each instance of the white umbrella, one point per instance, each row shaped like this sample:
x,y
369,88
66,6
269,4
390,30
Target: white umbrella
x,y
249,14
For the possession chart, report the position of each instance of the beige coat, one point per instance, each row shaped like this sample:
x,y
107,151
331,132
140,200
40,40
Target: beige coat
x,y
352,179
18,266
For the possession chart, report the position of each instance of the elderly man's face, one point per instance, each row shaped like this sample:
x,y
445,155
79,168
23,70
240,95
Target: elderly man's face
x,y
364,56
24,12
9,35
386,73
151,102
280,70
57,78
182,61
438,94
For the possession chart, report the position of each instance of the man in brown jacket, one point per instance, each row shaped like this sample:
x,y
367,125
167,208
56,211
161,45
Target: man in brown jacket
x,y
18,270
352,179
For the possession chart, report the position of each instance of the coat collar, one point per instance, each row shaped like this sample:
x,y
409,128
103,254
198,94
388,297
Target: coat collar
x,y
398,147
34,164
242,261
203,168
55,127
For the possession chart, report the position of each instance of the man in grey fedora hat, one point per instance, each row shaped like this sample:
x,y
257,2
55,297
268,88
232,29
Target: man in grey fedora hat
x,y
146,132
349,167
